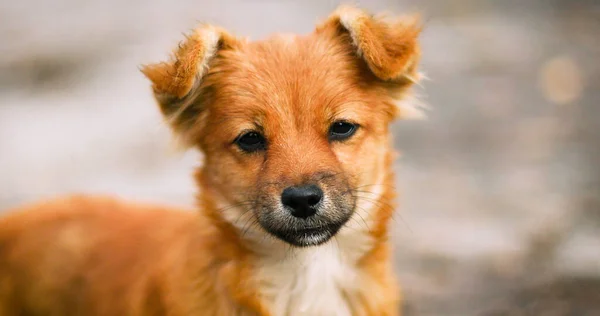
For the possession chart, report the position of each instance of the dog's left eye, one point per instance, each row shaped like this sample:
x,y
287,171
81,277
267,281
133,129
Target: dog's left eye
x,y
341,130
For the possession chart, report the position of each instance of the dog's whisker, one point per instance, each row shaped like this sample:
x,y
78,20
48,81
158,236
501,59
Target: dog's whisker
x,y
362,218
389,186
252,221
377,201
244,214
390,208
235,205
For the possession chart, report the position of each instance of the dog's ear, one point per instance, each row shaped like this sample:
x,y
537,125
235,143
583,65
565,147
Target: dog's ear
x,y
387,45
177,83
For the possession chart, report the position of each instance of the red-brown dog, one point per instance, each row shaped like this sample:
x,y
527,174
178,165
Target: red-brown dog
x,y
296,188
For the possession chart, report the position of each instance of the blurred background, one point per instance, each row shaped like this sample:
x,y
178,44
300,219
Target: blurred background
x,y
500,188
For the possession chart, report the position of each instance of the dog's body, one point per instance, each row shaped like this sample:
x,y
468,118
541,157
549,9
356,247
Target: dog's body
x,y
99,256
296,189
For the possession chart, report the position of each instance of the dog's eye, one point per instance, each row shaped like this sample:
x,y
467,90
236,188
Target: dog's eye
x,y
341,130
251,142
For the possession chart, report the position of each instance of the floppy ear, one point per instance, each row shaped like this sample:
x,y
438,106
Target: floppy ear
x,y
389,47
177,83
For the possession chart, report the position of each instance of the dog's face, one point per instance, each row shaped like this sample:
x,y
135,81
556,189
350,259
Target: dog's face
x,y
293,131
293,128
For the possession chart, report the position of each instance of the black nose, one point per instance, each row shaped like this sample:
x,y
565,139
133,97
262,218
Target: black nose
x,y
301,200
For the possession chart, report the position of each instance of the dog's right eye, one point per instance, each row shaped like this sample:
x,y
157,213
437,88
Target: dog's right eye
x,y
251,142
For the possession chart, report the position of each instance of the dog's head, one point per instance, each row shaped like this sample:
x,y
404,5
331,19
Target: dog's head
x,y
292,127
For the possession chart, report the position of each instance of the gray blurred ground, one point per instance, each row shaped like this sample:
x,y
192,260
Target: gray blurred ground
x,y
500,188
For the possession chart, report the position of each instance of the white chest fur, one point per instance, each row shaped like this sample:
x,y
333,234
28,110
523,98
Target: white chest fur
x,y
310,281
321,280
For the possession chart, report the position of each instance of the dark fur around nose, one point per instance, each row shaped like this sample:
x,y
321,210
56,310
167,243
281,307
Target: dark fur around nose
x,y
302,201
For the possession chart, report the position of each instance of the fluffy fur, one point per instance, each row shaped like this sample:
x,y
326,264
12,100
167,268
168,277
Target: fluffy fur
x,y
86,255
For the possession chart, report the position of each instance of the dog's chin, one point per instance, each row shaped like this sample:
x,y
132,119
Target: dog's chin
x,y
307,237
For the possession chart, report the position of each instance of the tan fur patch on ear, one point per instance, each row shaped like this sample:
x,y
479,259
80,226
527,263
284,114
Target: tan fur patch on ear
x,y
176,82
388,45
188,63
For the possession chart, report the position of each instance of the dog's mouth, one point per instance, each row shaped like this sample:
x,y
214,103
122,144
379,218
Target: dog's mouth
x,y
307,236
303,224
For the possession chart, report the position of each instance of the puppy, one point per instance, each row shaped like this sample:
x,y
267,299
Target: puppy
x,y
296,189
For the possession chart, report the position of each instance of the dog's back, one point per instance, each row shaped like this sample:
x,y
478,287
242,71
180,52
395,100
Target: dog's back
x,y
51,252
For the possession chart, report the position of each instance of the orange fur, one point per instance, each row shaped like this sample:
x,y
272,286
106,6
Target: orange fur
x,y
99,256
